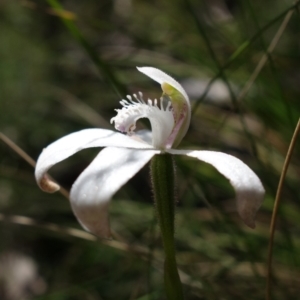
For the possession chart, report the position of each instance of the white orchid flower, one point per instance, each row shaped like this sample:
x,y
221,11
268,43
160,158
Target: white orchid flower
x,y
124,155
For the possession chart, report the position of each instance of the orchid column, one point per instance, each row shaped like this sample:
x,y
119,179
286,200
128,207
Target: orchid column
x,y
124,155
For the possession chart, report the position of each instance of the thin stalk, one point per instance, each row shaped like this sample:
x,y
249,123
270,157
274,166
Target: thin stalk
x,y
266,55
243,47
26,157
275,210
163,179
222,76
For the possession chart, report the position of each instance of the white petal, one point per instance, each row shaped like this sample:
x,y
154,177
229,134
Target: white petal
x,y
93,189
74,142
248,187
161,77
180,103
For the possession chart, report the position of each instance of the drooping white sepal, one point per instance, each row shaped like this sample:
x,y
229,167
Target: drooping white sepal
x,y
95,186
248,188
74,142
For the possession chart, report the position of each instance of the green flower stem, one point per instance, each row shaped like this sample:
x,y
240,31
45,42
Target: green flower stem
x,y
163,179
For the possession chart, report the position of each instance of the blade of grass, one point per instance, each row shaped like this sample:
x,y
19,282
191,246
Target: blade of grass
x,y
265,57
80,108
275,210
242,94
26,221
141,251
223,76
26,157
240,51
17,149
277,86
103,68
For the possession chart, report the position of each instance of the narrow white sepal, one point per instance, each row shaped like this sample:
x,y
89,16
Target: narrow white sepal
x,y
161,77
181,105
74,142
248,187
95,186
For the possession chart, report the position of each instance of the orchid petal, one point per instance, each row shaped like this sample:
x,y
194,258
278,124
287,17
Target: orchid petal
x,y
248,187
95,186
180,103
161,77
74,142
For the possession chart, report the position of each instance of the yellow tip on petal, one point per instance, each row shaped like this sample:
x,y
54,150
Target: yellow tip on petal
x,y
48,185
168,89
248,203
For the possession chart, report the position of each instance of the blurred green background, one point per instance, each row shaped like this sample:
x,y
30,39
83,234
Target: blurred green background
x,y
66,69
